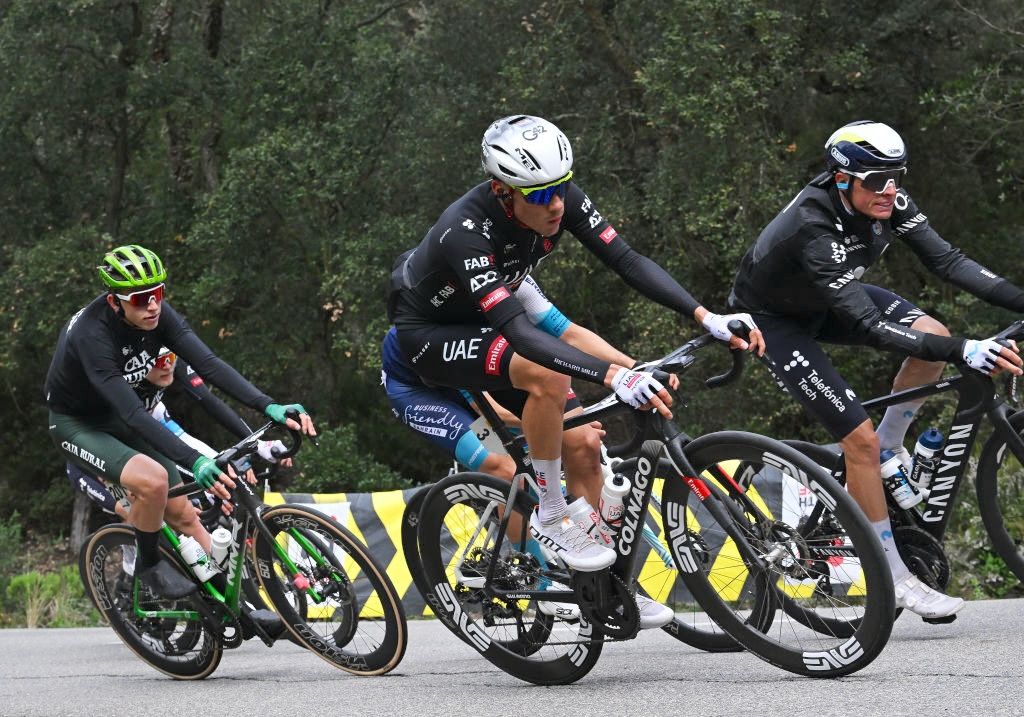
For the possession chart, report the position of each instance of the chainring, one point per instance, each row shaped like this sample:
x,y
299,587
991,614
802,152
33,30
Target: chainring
x,y
607,604
924,555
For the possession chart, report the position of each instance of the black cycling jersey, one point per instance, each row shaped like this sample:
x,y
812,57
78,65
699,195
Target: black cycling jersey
x,y
100,359
465,270
809,260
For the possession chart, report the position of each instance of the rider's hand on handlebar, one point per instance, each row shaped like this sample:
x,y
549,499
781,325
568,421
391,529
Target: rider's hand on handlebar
x,y
208,475
993,357
277,411
269,450
640,390
718,326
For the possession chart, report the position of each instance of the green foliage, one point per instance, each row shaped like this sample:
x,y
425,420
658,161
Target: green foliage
x,y
280,155
56,599
338,465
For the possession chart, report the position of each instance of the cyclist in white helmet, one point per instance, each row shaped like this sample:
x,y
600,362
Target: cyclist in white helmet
x,y
459,323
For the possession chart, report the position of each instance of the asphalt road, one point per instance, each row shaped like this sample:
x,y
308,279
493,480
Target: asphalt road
x,y
973,667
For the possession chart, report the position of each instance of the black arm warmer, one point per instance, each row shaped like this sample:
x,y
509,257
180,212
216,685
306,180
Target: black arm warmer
x,y
654,282
544,349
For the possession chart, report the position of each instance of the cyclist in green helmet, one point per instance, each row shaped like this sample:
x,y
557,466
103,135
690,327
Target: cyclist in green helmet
x,y
99,422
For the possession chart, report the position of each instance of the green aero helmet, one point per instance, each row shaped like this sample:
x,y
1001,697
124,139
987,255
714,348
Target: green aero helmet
x,y
131,266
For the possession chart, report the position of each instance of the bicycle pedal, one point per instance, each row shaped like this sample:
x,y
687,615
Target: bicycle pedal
x,y
939,620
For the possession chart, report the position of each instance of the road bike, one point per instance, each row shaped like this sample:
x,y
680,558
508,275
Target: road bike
x,y
331,595
484,584
999,478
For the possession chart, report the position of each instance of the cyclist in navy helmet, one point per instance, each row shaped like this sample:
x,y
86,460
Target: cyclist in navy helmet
x,y
802,281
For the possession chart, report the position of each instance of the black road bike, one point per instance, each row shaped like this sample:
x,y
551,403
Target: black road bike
x,y
999,479
739,561
332,596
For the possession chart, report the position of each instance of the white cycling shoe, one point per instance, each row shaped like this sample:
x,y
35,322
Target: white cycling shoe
x,y
562,610
572,543
917,597
652,613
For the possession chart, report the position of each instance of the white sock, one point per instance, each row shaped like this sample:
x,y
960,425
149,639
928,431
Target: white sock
x,y
892,430
899,569
549,481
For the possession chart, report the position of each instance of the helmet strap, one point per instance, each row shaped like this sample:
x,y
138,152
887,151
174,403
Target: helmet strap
x,y
115,304
504,197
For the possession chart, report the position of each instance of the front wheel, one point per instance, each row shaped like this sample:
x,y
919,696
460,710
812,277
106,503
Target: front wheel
x,y
1000,485
156,630
744,557
329,591
459,524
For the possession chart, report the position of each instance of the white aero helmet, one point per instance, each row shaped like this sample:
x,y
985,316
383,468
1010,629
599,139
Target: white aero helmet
x,y
864,146
525,151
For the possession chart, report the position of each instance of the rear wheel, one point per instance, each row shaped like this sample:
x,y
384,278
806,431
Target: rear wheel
x,y
458,527
1000,485
182,648
744,557
331,594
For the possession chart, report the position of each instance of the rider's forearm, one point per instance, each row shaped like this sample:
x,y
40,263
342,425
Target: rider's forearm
x,y
533,344
654,282
589,342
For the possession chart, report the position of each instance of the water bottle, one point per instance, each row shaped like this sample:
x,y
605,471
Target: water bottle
x,y
894,478
925,458
613,491
197,559
220,545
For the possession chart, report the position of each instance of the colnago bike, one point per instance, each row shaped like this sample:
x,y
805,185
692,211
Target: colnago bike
x,y
656,575
484,584
332,596
919,530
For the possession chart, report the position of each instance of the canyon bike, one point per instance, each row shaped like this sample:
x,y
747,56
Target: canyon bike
x,y
999,478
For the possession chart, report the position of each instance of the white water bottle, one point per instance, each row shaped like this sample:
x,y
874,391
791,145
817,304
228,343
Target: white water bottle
x,y
894,478
196,558
613,491
220,544
926,450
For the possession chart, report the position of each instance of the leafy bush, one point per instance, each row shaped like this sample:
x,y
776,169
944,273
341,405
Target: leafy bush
x,y
339,465
49,600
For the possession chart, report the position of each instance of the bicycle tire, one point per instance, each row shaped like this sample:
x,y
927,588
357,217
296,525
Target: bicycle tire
x,y
458,519
409,537
1001,502
660,581
354,618
743,587
182,649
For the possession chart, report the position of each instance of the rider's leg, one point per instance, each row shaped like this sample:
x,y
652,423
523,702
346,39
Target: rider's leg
x,y
147,481
542,426
581,455
892,430
864,483
181,515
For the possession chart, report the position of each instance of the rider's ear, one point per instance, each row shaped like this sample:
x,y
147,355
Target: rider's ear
x,y
842,180
501,190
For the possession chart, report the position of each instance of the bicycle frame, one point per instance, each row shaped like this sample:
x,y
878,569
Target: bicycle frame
x,y
977,398
659,437
249,506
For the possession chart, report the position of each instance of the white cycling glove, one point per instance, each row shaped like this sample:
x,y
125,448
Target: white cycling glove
x,y
981,355
718,324
635,387
265,449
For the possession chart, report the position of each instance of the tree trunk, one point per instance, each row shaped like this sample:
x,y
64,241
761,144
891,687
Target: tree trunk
x,y
80,515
